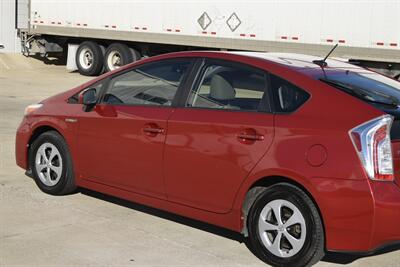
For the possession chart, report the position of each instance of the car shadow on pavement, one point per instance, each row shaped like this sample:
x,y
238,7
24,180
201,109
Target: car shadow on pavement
x,y
347,258
331,257
167,215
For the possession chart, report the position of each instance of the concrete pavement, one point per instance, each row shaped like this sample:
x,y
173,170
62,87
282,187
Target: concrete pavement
x,y
90,229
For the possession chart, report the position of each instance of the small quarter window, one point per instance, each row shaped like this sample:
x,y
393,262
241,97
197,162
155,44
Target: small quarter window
x,y
287,97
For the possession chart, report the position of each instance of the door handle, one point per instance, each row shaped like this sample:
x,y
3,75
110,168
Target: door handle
x,y
248,136
252,137
153,129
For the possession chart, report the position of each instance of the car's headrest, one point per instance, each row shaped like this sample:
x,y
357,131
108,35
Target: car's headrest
x,y
221,89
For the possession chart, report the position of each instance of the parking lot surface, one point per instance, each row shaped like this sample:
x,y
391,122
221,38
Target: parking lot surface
x,y
91,229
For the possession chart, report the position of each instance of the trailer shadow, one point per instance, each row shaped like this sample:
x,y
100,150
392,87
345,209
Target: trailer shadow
x,y
330,257
55,60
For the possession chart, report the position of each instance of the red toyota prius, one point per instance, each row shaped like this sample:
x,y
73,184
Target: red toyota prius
x,y
300,155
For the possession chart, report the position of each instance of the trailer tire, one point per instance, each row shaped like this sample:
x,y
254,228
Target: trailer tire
x,y
117,55
89,58
135,54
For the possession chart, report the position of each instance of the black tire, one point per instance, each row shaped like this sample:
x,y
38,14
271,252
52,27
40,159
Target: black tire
x,y
313,248
66,183
96,53
125,54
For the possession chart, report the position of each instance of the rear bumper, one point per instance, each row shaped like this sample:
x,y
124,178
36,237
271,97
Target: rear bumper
x,y
386,228
360,216
21,144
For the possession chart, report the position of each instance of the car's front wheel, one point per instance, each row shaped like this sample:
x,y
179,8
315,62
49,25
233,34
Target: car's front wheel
x,y
285,228
51,164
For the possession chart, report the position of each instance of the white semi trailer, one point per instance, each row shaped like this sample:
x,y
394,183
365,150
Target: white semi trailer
x,y
101,35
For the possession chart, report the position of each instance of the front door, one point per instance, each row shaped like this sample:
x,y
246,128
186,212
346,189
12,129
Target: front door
x,y
121,141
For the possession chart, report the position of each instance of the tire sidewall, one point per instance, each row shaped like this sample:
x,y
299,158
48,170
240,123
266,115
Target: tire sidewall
x,y
98,58
304,256
60,145
135,54
125,52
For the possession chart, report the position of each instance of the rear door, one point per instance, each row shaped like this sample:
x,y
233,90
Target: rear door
x,y
121,141
222,131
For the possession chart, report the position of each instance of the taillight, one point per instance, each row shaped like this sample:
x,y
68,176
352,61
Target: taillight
x,y
373,145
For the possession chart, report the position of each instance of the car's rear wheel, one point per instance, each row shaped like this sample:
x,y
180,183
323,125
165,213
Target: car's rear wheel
x,y
285,228
51,164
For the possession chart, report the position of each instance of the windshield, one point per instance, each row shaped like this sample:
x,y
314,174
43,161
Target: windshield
x,y
369,86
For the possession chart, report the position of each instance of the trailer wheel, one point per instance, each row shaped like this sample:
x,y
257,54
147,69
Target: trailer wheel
x,y
89,58
118,55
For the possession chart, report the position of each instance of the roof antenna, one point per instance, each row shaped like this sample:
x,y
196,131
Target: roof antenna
x,y
322,62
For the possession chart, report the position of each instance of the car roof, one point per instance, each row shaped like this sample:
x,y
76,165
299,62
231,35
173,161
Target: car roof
x,y
297,62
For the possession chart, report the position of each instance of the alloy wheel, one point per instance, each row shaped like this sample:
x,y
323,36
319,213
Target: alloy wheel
x,y
282,228
48,164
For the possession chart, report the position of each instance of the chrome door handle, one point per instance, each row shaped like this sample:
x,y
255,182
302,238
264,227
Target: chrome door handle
x,y
251,137
153,130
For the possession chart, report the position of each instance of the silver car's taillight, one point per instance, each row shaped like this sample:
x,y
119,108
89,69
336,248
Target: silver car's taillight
x,y
373,145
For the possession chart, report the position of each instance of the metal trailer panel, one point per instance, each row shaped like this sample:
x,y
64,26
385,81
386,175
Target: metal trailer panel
x,y
22,15
8,32
388,55
364,29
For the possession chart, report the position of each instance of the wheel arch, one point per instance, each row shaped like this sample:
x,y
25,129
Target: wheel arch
x,y
39,130
258,186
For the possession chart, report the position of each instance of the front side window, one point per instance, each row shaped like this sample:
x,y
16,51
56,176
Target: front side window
x,y
231,87
151,84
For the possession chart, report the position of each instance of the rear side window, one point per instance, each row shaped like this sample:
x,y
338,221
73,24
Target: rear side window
x,y
151,84
229,87
287,97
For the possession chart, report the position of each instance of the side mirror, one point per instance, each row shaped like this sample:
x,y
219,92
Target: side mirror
x,y
88,98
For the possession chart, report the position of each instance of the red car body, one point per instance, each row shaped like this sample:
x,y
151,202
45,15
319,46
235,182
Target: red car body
x,y
310,148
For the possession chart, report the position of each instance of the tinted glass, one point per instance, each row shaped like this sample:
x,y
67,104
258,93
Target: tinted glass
x,y
369,86
287,97
229,87
151,84
373,88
